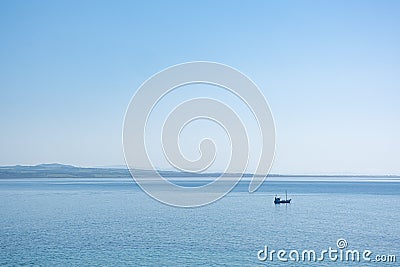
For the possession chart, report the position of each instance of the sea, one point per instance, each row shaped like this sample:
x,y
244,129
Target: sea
x,y
112,222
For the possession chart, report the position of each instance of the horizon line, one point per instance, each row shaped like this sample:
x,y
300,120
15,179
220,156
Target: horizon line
x,y
121,167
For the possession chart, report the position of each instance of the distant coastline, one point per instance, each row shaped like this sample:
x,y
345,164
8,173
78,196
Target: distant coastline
x,y
56,170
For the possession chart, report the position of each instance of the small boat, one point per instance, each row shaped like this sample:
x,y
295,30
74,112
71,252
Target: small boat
x,y
278,200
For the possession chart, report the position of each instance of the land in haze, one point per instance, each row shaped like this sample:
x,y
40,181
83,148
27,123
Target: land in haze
x,y
56,170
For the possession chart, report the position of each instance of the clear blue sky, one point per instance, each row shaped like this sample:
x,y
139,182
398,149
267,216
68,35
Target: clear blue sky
x,y
329,69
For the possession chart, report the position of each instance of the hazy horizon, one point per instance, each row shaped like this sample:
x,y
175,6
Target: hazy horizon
x,y
211,172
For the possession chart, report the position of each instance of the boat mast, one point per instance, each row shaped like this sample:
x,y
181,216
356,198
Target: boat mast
x,y
286,194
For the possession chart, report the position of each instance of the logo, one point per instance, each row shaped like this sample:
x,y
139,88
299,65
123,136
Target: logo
x,y
341,254
152,92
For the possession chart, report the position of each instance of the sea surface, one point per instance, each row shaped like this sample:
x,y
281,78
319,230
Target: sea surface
x,y
111,222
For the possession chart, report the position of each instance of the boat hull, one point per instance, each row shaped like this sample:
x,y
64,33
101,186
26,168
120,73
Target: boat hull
x,y
282,201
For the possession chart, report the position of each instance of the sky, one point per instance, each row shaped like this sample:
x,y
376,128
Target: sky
x,y
330,71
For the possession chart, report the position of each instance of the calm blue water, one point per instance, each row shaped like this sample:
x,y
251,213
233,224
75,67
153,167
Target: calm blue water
x,y
102,222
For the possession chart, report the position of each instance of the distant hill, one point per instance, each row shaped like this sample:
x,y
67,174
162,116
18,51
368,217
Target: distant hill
x,y
55,170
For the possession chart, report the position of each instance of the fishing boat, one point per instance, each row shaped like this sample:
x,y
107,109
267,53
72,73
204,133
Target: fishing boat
x,y
278,200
